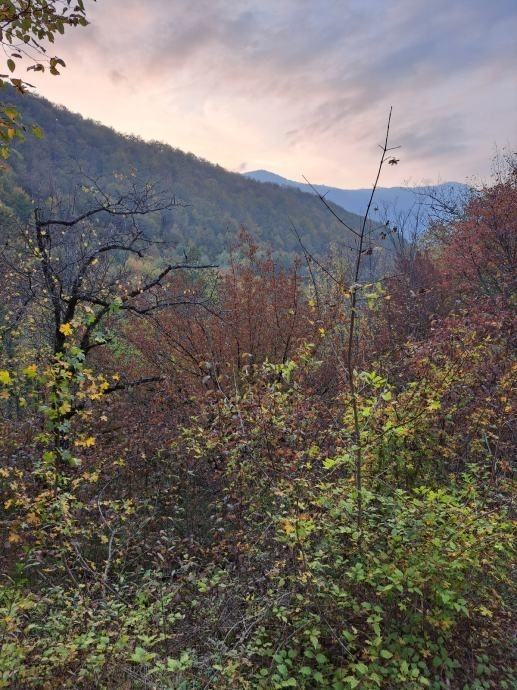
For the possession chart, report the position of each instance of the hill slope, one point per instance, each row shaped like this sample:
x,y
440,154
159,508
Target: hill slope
x,y
219,202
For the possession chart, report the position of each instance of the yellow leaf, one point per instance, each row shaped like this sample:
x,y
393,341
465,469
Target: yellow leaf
x,y
485,612
65,329
289,528
31,371
86,442
14,538
91,476
5,377
65,408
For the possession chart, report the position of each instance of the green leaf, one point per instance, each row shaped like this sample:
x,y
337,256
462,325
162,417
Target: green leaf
x,y
282,669
141,656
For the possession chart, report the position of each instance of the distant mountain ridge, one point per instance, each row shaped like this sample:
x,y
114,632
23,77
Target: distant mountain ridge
x,y
401,199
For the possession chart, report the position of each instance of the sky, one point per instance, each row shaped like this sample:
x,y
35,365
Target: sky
x,y
302,87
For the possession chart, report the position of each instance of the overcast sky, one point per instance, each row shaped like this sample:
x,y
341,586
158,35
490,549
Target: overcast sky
x,y
302,87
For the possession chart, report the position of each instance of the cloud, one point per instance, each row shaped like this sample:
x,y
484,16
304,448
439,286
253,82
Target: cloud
x,y
292,80
433,138
117,77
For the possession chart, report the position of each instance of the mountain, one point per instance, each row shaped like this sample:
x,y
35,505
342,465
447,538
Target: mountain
x,y
392,201
217,203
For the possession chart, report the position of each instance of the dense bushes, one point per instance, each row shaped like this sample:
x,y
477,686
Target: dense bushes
x,y
201,530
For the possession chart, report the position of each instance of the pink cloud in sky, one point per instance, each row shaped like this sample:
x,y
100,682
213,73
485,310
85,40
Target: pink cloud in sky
x,y
299,87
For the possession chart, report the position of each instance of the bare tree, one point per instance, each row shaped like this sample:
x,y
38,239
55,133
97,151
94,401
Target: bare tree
x,y
70,262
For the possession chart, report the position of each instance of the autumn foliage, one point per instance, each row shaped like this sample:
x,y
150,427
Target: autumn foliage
x,y
177,465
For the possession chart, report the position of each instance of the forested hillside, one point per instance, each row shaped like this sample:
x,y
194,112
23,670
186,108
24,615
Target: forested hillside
x,y
214,203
